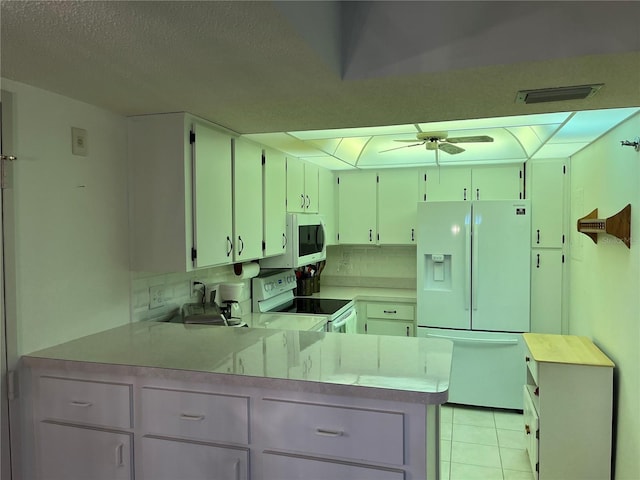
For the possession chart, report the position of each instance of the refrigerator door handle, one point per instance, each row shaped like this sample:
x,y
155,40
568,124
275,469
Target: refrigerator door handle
x,y
485,341
474,264
467,268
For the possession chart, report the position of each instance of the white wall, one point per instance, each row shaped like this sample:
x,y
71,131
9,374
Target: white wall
x,y
71,220
605,278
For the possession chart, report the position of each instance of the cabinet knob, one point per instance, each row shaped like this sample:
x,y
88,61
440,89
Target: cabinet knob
x,y
527,359
538,260
464,194
308,202
538,236
302,200
284,241
527,429
408,333
413,232
477,194
370,235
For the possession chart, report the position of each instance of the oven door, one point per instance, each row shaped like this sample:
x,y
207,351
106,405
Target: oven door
x,y
346,323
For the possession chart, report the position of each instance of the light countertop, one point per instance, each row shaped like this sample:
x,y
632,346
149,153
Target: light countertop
x,y
384,367
571,349
374,294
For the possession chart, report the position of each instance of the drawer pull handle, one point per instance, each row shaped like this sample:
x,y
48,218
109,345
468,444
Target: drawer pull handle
x,y
390,311
120,455
80,404
236,469
329,433
197,418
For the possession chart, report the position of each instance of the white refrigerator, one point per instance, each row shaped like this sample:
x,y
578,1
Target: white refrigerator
x,y
473,281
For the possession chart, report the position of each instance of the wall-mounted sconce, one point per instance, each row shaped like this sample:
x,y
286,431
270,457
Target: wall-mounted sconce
x,y
635,144
619,225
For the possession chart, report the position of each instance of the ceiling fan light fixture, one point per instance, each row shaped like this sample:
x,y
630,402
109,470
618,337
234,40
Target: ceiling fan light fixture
x,y
557,94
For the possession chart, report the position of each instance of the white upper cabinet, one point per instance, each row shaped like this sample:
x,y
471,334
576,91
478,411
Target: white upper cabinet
x,y
497,182
546,191
547,268
490,182
247,200
357,209
274,174
448,184
181,193
327,204
302,186
398,196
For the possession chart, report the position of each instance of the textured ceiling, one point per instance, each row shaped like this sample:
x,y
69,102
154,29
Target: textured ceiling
x,y
269,67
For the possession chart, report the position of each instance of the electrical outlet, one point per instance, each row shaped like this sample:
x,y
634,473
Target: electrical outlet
x,y
79,145
157,296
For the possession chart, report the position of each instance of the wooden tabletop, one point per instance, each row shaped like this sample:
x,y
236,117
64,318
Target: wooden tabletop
x,y
565,349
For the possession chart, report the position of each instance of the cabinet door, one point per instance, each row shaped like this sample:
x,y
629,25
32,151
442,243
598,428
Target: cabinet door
x,y
276,357
247,200
274,173
546,290
398,196
497,182
279,467
212,221
295,185
311,187
76,453
327,194
379,326
448,184
357,208
546,190
165,459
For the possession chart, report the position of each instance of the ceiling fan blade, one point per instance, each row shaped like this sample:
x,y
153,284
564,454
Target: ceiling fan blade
x,y
476,138
450,149
412,140
404,146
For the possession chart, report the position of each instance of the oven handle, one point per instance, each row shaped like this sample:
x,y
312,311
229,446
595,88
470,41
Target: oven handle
x,y
345,319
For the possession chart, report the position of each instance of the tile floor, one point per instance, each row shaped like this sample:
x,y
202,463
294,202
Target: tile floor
x,y
482,443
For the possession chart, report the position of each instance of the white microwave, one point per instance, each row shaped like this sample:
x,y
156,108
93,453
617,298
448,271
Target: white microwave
x,y
305,242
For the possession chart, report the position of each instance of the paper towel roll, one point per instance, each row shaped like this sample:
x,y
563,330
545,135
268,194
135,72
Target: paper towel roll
x,y
249,270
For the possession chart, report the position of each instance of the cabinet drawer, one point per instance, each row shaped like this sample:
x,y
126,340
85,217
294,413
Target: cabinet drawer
x,y
199,416
279,467
352,433
391,310
532,365
80,401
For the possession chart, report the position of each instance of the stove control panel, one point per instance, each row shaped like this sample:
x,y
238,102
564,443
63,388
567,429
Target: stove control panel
x,y
269,286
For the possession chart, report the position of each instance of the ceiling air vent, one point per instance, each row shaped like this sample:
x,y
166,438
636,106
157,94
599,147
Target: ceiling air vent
x,y
541,95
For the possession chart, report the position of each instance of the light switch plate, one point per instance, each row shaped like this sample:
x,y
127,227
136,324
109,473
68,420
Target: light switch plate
x,y
79,144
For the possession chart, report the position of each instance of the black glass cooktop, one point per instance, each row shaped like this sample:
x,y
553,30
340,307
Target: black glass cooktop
x,y
313,306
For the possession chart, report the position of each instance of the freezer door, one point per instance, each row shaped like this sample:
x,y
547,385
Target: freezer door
x,y
443,257
486,369
500,280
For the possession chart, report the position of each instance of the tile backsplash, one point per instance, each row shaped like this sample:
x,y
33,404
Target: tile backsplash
x,y
370,266
178,289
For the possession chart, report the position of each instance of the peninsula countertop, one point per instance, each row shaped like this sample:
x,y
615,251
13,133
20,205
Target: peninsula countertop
x,y
383,367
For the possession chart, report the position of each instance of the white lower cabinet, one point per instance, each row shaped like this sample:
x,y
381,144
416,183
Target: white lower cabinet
x,y
83,429
397,319
171,459
568,400
211,427
77,453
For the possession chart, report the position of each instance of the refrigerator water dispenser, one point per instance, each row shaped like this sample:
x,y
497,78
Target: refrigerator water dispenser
x,y
437,271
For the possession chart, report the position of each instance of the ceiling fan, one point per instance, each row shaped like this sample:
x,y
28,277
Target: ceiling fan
x,y
441,141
